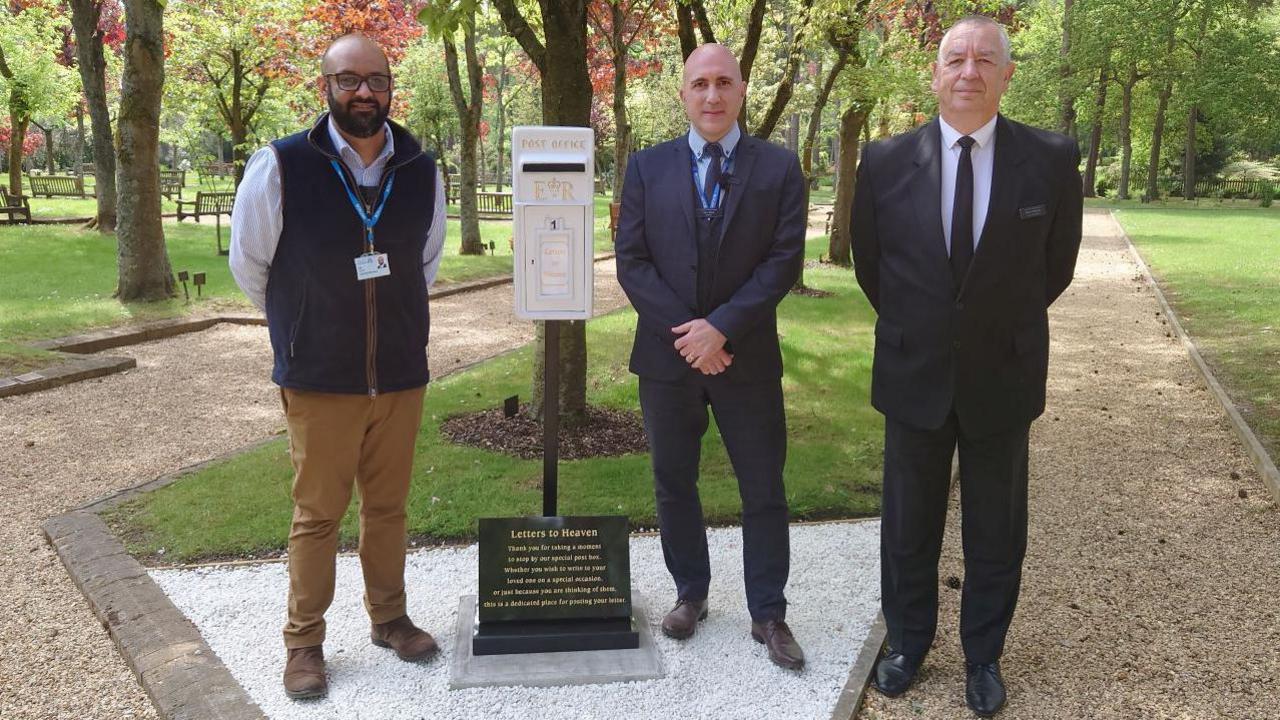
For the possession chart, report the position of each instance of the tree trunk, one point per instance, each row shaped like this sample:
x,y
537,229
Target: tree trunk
x,y
77,166
839,248
815,119
1157,129
18,119
17,136
92,63
1095,136
1126,132
144,272
499,88
49,163
787,87
704,22
1193,114
1066,102
622,134
1189,156
469,120
684,29
1157,137
566,100
750,46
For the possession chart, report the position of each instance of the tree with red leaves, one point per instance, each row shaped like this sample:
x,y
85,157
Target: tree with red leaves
x,y
392,24
618,27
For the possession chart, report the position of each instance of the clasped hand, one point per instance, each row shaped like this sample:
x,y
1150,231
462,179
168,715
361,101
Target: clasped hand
x,y
702,346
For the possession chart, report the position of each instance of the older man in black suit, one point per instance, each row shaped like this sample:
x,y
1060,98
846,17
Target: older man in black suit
x,y
964,232
710,239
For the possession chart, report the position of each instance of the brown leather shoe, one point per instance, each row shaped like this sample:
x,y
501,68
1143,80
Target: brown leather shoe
x,y
410,643
683,619
304,673
784,651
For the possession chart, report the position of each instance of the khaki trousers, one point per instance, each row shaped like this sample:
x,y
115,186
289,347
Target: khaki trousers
x,y
335,440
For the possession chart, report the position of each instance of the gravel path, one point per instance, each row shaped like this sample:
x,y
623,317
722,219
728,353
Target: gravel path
x,y
190,399
1150,585
721,674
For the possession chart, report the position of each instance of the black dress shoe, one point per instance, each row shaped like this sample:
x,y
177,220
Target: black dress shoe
x,y
895,672
984,688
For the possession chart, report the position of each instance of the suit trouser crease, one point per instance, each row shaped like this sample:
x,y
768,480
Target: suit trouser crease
x,y
752,424
337,442
993,502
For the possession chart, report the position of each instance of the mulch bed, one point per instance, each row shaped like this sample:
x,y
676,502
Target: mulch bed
x,y
607,433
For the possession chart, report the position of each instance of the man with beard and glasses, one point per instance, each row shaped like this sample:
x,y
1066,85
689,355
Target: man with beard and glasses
x,y
336,235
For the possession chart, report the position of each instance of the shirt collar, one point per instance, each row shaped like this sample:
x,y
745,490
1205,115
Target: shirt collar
x,y
346,152
728,143
983,136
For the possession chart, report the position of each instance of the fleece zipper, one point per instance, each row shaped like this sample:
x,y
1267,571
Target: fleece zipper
x,y
370,292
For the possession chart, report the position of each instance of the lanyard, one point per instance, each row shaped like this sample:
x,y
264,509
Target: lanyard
x,y
714,201
365,218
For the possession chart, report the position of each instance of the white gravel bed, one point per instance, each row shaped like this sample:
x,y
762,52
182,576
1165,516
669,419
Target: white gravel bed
x,y
720,673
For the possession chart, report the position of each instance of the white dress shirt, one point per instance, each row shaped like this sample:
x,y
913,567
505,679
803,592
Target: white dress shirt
x,y
983,154
258,215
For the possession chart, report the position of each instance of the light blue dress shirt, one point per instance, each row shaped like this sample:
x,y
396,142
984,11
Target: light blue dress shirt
x,y
728,143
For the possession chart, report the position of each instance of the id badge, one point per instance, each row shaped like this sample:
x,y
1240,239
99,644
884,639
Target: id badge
x,y
372,265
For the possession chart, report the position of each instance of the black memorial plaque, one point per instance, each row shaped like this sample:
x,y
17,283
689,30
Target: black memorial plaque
x,y
549,584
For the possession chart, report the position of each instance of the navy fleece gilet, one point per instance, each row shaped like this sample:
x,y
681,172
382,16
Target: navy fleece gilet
x,y
329,332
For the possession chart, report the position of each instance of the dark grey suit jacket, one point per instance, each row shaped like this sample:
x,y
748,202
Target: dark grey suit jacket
x,y
760,257
984,351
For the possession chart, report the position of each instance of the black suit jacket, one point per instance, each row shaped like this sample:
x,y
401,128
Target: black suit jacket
x,y
983,353
761,252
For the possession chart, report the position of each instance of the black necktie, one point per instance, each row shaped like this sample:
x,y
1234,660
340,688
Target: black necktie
x,y
962,214
715,152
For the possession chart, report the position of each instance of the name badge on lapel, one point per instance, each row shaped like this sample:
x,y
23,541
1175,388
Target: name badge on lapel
x,y
1032,211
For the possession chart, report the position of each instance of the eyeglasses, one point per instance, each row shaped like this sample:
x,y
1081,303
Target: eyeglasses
x,y
351,81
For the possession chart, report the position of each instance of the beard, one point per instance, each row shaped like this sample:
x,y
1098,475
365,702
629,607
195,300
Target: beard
x,y
359,124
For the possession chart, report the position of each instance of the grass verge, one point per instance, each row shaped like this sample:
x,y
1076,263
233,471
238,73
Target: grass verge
x,y
1219,266
59,280
241,507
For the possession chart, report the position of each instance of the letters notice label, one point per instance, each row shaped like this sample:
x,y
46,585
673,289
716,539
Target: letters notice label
x,y
554,568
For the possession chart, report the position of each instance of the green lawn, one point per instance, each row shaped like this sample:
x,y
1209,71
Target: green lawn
x,y
67,276
1220,269
242,506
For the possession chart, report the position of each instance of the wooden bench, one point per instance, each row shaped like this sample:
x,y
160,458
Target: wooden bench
x,y
216,204
489,205
216,176
15,207
171,182
56,186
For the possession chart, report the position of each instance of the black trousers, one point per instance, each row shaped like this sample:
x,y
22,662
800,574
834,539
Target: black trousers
x,y
752,423
993,504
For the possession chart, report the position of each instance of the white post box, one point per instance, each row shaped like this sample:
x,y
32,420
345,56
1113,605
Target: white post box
x,y
553,170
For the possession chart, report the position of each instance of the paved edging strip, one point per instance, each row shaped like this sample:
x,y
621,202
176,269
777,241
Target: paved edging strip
x,y
72,370
181,675
1257,453
855,688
